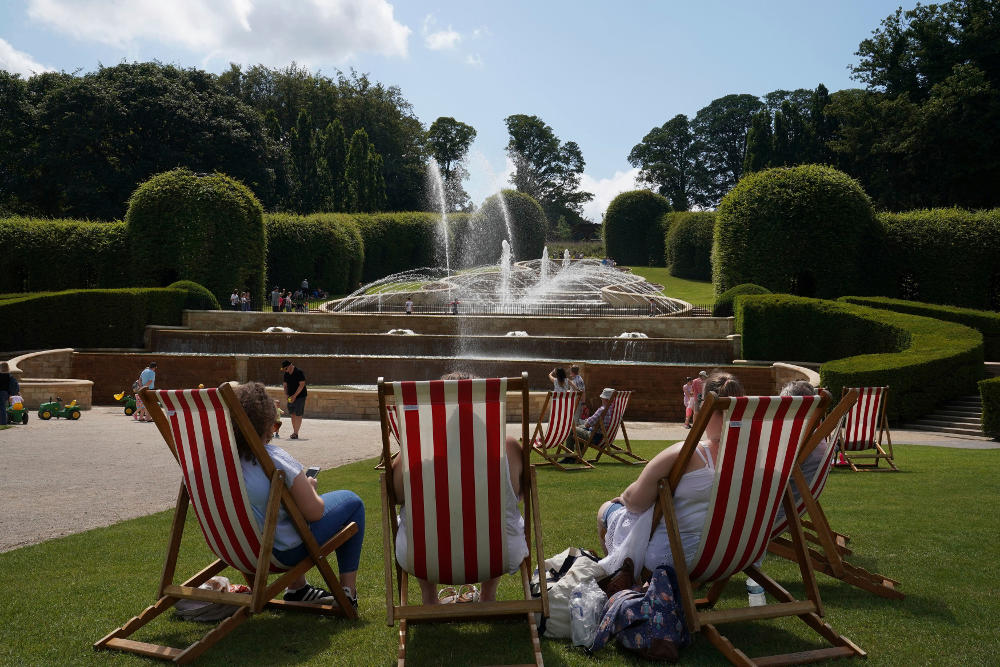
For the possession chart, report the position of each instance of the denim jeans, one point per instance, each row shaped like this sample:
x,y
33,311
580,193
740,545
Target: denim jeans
x,y
340,508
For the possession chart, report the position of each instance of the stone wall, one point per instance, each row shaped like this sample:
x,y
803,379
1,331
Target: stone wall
x,y
36,391
608,327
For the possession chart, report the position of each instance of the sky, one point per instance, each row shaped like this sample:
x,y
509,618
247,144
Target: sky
x,y
602,74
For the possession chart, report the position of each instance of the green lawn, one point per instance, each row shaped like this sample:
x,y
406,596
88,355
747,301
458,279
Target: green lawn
x,y
698,292
933,526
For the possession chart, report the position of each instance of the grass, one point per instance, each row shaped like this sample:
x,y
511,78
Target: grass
x,y
933,527
699,292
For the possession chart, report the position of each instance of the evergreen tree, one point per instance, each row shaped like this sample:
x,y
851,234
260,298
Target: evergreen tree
x,y
302,143
758,143
357,173
333,165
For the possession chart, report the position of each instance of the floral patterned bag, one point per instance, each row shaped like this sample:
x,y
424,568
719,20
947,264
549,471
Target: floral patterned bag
x,y
649,622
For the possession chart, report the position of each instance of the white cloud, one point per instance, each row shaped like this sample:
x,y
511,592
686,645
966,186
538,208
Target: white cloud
x,y
248,31
606,189
474,59
439,40
19,62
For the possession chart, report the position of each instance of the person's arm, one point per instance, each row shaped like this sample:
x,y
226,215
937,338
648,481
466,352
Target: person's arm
x,y
592,420
302,385
552,376
640,495
304,492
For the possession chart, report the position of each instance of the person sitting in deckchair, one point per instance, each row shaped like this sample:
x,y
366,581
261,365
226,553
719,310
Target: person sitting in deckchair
x,y
624,523
517,547
589,427
326,514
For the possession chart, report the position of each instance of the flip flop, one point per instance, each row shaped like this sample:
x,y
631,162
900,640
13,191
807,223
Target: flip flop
x,y
448,595
468,593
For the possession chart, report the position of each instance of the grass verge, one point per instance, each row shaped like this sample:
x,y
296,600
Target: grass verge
x,y
698,292
933,527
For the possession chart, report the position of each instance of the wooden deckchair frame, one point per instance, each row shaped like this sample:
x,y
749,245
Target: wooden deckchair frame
x,y
852,456
607,444
832,546
263,594
394,431
698,614
396,588
553,453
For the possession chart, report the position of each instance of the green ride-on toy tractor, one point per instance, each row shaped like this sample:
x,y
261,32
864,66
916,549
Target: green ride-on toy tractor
x,y
17,413
129,402
56,409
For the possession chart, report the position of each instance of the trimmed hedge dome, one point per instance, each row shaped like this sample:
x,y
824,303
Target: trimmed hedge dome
x,y
808,230
688,245
632,229
204,228
724,302
478,241
199,298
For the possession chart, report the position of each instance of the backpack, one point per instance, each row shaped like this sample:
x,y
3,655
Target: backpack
x,y
563,573
649,622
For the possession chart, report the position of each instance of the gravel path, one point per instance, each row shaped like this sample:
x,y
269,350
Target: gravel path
x,y
61,477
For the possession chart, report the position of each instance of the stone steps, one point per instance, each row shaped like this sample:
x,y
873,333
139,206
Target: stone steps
x,y
961,416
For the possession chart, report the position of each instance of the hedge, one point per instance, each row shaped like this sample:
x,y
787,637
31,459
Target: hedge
x,y
947,256
395,242
199,298
326,248
806,230
724,302
924,361
687,244
632,229
984,321
206,228
41,254
989,391
88,318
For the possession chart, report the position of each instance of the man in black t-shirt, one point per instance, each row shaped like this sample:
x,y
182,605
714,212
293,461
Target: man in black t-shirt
x,y
295,388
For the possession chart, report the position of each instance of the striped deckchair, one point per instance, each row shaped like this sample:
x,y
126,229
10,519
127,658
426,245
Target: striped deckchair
x,y
196,425
550,441
859,431
393,431
619,403
833,545
760,441
454,466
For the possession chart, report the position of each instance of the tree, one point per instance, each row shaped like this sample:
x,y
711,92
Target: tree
x,y
334,148
721,132
759,143
305,166
669,161
449,141
544,167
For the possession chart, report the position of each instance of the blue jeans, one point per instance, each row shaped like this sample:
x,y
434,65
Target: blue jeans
x,y
340,508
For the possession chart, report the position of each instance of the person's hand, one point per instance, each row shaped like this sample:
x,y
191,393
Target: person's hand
x,y
313,481
291,399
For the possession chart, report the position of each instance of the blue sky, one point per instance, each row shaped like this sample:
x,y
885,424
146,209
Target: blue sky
x,y
600,73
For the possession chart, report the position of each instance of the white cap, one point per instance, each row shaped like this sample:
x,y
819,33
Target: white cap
x,y
703,374
607,393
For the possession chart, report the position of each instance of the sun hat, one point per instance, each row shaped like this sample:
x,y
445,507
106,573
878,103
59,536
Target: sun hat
x,y
286,363
607,393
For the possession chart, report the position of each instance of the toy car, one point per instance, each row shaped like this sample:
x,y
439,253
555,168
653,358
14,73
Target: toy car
x,y
17,413
57,409
129,402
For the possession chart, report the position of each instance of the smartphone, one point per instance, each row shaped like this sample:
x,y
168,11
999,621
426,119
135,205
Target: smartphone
x,y
312,471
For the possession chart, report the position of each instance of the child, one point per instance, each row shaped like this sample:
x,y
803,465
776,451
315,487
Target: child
x,y
16,402
277,417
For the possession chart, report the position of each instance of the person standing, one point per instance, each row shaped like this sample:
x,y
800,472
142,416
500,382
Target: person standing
x,y
408,306
234,300
7,390
698,386
275,299
689,399
560,382
147,380
576,382
295,388
305,285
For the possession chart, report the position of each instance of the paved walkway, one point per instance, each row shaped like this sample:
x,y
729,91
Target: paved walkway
x,y
61,477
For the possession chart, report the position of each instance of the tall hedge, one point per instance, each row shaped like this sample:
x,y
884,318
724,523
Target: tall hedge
x,y
326,248
396,242
944,255
806,230
984,321
478,238
205,228
39,254
924,361
633,232
688,243
989,392
88,318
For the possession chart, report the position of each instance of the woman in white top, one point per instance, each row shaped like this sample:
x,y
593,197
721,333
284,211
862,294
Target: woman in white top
x,y
624,523
559,381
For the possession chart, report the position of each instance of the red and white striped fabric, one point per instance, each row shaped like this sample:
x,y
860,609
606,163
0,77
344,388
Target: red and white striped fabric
x,y
206,450
863,419
761,437
393,426
618,406
818,481
455,477
562,409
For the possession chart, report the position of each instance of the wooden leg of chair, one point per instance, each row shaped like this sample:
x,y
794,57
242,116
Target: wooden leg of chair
x,y
214,635
401,656
713,594
725,647
536,645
